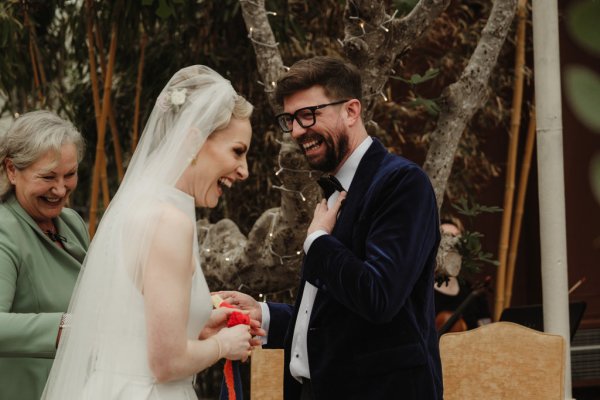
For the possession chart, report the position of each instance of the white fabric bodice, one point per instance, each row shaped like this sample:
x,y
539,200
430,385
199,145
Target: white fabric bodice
x,y
121,369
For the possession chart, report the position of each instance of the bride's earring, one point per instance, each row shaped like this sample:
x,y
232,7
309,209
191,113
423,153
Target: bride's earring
x,y
193,162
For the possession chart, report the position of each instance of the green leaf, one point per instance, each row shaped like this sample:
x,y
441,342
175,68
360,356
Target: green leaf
x,y
430,105
583,19
164,11
582,90
472,210
147,2
415,79
399,78
490,209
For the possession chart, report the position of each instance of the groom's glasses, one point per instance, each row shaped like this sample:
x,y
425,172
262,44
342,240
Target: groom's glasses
x,y
305,117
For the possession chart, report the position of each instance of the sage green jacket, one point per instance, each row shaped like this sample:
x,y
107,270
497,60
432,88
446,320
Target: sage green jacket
x,y
36,281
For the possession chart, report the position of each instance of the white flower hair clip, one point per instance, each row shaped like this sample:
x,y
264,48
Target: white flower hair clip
x,y
172,98
178,97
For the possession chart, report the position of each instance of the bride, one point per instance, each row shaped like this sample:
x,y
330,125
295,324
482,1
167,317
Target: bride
x,y
140,324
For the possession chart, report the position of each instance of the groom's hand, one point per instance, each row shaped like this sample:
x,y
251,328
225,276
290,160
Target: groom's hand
x,y
324,217
218,321
242,302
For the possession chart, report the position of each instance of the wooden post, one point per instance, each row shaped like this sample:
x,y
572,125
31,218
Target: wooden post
x,y
266,374
551,175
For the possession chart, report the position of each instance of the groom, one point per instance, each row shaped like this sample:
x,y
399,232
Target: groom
x,y
363,323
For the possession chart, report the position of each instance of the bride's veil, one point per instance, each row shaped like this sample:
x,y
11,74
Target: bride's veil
x,y
105,326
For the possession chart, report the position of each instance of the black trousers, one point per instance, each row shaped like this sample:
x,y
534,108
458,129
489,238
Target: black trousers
x,y
307,392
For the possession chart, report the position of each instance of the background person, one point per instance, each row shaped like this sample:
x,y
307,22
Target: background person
x,y
451,294
42,246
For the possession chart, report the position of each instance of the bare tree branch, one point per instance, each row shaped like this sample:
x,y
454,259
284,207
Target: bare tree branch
x,y
463,98
269,259
375,39
268,58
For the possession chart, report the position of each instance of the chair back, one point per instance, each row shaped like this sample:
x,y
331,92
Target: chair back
x,y
502,360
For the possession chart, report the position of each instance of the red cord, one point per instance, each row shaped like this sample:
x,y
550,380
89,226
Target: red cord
x,y
228,373
235,318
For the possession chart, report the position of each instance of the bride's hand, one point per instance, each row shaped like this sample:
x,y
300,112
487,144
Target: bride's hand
x,y
235,342
218,321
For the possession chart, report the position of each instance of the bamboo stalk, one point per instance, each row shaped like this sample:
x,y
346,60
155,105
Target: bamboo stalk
x,y
511,161
111,112
516,231
36,78
100,163
104,115
138,93
104,181
97,111
32,56
41,71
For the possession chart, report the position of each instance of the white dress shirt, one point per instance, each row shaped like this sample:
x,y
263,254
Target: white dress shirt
x,y
299,353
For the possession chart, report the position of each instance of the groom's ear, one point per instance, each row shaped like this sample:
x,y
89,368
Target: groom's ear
x,y
353,110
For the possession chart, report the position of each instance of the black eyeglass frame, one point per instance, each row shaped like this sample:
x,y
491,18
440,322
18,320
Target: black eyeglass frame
x,y
293,116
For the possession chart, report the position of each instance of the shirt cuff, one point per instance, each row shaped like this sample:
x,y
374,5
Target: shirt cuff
x,y
311,238
266,320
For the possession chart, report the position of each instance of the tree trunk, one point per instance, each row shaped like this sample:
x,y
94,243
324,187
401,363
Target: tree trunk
x,y
269,259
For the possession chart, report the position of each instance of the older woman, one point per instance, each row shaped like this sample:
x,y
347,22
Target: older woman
x,y
42,246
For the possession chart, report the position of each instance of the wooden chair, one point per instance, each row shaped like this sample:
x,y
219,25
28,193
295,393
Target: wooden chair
x,y
266,374
502,360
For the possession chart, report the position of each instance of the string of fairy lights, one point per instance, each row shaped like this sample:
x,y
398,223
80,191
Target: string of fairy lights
x,y
269,88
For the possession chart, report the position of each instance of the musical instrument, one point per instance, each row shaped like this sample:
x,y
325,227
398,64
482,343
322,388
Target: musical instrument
x,y
452,321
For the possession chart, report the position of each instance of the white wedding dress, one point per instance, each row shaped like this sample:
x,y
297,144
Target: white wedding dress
x,y
103,352
121,363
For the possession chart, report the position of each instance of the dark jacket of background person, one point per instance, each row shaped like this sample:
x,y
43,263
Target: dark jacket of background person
x,y
36,281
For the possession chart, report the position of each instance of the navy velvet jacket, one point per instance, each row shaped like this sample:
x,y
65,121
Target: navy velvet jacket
x,y
372,333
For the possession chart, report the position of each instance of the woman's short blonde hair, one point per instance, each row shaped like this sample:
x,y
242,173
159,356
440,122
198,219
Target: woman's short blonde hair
x,y
31,136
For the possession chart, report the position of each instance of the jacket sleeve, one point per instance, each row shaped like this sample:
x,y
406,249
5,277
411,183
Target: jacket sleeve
x,y
21,334
281,315
399,231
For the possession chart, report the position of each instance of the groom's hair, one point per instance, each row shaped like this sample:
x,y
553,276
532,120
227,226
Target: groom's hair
x,y
339,79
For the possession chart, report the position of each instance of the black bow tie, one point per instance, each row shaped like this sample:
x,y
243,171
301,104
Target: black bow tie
x,y
330,184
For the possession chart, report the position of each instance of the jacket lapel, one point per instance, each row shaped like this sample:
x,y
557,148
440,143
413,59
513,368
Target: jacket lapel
x,y
367,168
353,205
73,249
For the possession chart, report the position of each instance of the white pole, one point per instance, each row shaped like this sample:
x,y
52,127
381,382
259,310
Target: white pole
x,y
551,175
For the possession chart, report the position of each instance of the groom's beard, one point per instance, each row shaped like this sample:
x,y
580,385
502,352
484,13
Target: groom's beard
x,y
334,154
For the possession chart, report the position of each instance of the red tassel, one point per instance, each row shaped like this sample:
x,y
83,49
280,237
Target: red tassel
x,y
235,318
228,372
